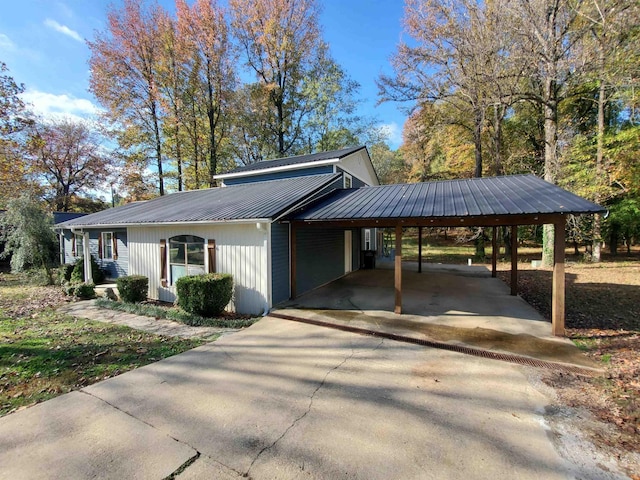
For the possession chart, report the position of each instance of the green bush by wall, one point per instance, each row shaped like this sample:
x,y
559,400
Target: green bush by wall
x,y
133,288
77,276
205,295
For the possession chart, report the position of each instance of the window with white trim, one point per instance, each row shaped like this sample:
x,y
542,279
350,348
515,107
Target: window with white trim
x,y
186,256
78,245
367,239
348,180
107,245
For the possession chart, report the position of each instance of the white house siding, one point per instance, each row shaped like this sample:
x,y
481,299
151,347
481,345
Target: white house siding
x,y
359,164
241,250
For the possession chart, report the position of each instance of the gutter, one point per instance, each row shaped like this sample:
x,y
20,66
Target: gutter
x,y
80,228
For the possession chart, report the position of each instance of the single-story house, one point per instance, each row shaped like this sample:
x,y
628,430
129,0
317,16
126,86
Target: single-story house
x,y
286,226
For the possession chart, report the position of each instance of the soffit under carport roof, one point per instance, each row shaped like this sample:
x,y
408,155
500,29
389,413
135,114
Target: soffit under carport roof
x,y
476,197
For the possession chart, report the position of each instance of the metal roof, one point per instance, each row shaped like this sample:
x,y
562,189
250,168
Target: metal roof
x,y
508,195
300,159
251,201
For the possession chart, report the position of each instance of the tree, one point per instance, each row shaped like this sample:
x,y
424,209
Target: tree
x,y
609,23
459,55
13,119
389,165
28,235
545,35
333,122
124,73
204,31
281,44
68,157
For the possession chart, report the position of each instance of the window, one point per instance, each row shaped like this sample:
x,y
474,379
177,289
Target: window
x,y
186,256
107,245
78,245
367,239
347,180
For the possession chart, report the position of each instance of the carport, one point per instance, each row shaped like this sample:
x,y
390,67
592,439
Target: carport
x,y
508,201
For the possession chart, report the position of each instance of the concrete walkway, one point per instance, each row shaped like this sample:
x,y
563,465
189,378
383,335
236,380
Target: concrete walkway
x,y
287,400
159,326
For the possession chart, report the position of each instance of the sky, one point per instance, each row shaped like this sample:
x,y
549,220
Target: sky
x,y
43,43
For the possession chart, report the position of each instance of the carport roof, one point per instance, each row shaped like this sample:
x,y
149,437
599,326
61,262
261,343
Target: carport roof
x,y
516,195
251,201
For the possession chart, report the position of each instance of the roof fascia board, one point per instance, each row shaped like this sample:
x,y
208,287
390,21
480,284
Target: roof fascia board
x,y
283,168
164,224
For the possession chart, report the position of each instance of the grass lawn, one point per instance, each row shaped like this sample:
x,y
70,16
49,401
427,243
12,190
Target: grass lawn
x,y
44,353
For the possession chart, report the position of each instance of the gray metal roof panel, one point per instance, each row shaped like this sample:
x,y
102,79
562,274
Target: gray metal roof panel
x,y
238,202
508,195
282,162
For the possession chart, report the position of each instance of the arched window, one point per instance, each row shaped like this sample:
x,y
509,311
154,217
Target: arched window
x,y
186,256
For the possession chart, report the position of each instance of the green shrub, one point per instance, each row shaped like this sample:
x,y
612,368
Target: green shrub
x,y
86,290
77,276
69,289
65,272
205,295
133,288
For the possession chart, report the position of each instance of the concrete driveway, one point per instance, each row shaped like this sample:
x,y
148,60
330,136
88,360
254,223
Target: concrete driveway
x,y
454,304
287,400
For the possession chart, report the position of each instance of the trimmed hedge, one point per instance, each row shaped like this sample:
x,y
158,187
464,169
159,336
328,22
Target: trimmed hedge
x,y
205,295
133,288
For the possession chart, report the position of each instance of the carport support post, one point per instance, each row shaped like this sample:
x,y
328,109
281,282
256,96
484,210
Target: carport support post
x,y
398,270
514,260
557,300
494,252
419,249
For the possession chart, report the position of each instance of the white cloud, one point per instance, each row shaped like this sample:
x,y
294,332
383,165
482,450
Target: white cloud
x,y
50,105
6,43
393,132
63,29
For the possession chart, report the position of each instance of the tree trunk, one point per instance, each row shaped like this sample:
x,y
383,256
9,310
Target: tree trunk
x,y
477,140
196,145
213,154
498,112
156,132
506,238
550,159
597,220
178,152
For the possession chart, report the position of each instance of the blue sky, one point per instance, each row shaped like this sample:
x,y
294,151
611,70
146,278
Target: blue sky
x,y
43,44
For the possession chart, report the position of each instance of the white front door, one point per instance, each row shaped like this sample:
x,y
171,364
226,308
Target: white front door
x,y
348,251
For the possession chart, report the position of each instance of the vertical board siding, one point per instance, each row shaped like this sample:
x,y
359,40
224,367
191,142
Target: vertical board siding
x,y
240,251
320,257
279,262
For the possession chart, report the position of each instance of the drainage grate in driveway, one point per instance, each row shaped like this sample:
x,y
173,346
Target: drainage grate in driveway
x,y
476,352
